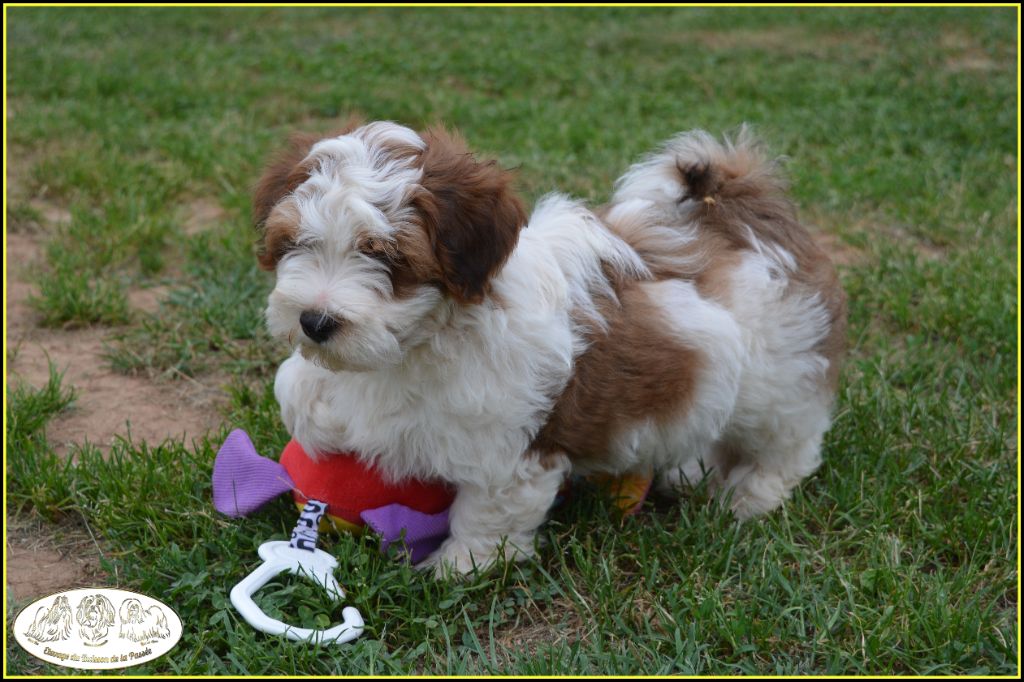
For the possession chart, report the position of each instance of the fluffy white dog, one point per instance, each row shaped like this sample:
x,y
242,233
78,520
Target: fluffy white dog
x,y
690,327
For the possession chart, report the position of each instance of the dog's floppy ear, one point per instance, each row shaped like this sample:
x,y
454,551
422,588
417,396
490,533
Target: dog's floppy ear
x,y
469,212
283,173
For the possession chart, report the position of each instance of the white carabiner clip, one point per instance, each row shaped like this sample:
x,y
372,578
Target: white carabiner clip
x,y
300,556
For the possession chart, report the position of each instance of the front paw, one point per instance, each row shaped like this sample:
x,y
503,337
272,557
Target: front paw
x,y
755,492
454,559
458,558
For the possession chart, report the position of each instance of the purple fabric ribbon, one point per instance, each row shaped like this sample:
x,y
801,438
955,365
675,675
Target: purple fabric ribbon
x,y
423,533
243,481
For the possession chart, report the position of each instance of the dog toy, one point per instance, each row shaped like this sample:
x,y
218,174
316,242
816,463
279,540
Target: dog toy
x,y
357,496
628,490
339,492
300,556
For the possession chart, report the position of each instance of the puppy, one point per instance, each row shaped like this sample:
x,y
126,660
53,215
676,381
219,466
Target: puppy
x,y
95,615
691,328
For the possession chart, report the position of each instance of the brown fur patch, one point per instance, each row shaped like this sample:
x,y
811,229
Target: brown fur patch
x,y
283,173
741,189
747,193
633,372
469,213
279,231
638,370
408,257
738,191
714,281
820,276
418,264
469,216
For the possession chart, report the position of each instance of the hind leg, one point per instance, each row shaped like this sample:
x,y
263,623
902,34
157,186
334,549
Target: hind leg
x,y
774,460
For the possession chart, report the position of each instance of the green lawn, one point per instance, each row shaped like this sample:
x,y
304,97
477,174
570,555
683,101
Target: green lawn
x,y
898,557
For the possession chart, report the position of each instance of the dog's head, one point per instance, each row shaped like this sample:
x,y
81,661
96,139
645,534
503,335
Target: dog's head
x,y
372,234
95,611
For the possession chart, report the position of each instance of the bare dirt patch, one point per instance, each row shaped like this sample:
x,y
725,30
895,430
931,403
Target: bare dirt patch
x,y
201,215
551,626
868,228
108,404
964,55
22,253
784,40
51,213
841,253
922,246
43,559
147,300
40,558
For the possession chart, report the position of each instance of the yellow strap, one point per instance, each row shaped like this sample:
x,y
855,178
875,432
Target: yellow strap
x,y
334,524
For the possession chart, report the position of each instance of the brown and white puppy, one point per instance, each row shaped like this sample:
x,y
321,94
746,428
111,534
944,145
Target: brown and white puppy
x,y
692,327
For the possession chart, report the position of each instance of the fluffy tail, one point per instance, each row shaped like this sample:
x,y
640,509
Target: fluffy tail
x,y
732,188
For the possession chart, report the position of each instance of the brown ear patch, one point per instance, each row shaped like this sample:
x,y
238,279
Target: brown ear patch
x,y
279,233
284,172
282,175
469,212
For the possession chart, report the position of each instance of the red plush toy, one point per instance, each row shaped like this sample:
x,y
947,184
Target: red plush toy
x,y
356,495
349,487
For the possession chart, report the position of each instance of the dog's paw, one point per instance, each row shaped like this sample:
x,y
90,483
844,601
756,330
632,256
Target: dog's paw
x,y
457,559
454,560
690,474
754,492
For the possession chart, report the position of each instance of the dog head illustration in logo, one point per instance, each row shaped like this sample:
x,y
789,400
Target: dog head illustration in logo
x,y
96,615
142,625
51,624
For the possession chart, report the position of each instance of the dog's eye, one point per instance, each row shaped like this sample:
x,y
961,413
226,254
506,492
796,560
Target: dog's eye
x,y
381,250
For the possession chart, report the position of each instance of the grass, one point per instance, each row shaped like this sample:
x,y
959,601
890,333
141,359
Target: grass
x,y
898,557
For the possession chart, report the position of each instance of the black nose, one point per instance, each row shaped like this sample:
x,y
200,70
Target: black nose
x,y
317,325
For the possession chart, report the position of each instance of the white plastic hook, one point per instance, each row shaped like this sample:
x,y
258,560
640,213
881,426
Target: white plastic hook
x,y
301,557
278,557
